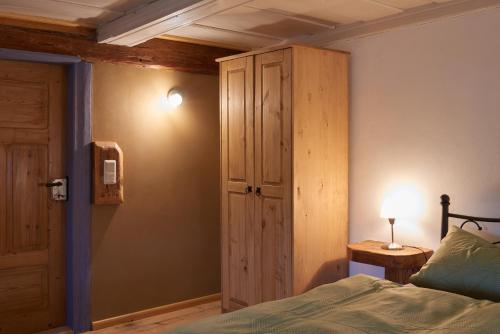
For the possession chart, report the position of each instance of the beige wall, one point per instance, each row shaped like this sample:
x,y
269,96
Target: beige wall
x,y
162,244
426,114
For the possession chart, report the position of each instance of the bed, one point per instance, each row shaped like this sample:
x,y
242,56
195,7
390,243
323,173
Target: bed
x,y
364,304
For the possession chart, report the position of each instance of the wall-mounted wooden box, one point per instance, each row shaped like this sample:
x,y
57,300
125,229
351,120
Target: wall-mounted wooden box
x,y
106,192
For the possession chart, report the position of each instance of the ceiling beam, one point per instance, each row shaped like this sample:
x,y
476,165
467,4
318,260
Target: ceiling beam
x,y
174,55
37,23
416,15
158,18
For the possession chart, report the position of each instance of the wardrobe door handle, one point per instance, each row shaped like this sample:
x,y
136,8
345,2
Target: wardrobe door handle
x,y
248,189
257,191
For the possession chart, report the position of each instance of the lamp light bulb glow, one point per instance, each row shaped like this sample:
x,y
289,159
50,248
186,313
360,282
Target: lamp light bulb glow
x,y
174,98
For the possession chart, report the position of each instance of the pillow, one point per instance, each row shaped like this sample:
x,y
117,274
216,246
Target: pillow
x,y
465,264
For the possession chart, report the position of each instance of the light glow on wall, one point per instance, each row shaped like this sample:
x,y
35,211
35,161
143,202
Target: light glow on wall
x,y
403,201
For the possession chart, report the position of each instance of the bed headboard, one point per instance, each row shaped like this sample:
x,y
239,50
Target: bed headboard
x,y
445,203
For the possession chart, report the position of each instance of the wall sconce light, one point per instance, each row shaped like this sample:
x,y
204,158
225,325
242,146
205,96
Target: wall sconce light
x,y
174,98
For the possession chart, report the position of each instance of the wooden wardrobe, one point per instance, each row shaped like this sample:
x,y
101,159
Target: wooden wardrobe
x,y
284,172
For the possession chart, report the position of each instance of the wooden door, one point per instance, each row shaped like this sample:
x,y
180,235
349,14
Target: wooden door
x,y
237,175
273,211
32,279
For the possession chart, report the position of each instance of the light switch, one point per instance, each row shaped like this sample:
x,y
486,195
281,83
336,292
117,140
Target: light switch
x,y
109,171
107,174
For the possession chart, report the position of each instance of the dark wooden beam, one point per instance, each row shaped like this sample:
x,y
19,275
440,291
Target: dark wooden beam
x,y
161,53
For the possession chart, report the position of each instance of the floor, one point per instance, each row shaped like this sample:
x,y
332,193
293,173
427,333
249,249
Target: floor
x,y
164,322
154,325
59,330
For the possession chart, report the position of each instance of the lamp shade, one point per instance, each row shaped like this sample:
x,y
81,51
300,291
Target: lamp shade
x,y
401,207
403,202
390,208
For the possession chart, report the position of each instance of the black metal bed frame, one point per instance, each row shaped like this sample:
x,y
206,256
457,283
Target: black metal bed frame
x,y
445,203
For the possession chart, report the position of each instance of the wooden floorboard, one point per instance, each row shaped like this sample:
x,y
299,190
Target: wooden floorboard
x,y
59,330
164,322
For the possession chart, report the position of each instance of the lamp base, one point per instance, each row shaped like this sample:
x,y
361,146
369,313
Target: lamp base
x,y
392,246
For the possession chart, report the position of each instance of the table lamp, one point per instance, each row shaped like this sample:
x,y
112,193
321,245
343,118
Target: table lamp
x,y
390,211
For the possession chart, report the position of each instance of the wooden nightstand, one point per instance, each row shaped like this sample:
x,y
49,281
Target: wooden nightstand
x,y
399,264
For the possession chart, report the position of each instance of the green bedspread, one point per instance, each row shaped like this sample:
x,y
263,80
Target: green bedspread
x,y
359,304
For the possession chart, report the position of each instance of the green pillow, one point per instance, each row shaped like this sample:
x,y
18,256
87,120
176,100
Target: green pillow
x,y
465,264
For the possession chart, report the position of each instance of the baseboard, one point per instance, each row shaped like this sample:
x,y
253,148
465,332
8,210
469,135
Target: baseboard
x,y
99,324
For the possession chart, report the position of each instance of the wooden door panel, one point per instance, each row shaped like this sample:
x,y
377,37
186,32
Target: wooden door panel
x,y
23,289
238,250
32,104
271,123
273,235
237,175
28,214
23,104
3,201
236,117
275,254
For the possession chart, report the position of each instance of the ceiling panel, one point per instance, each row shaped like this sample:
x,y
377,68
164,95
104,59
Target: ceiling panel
x,y
335,11
405,4
116,5
85,12
257,21
222,37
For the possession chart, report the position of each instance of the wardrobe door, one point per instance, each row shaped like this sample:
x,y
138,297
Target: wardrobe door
x,y
237,177
273,212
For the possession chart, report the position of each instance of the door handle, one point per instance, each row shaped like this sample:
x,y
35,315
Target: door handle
x,y
258,191
248,189
52,184
58,189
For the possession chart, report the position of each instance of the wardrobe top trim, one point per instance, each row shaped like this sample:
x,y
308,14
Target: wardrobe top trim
x,y
274,48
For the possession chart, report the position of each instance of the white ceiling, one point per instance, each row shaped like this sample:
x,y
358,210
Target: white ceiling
x,y
265,22
82,12
254,24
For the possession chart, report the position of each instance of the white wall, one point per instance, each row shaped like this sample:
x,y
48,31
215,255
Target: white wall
x,y
425,112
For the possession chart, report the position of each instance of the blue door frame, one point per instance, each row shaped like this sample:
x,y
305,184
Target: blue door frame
x,y
78,164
